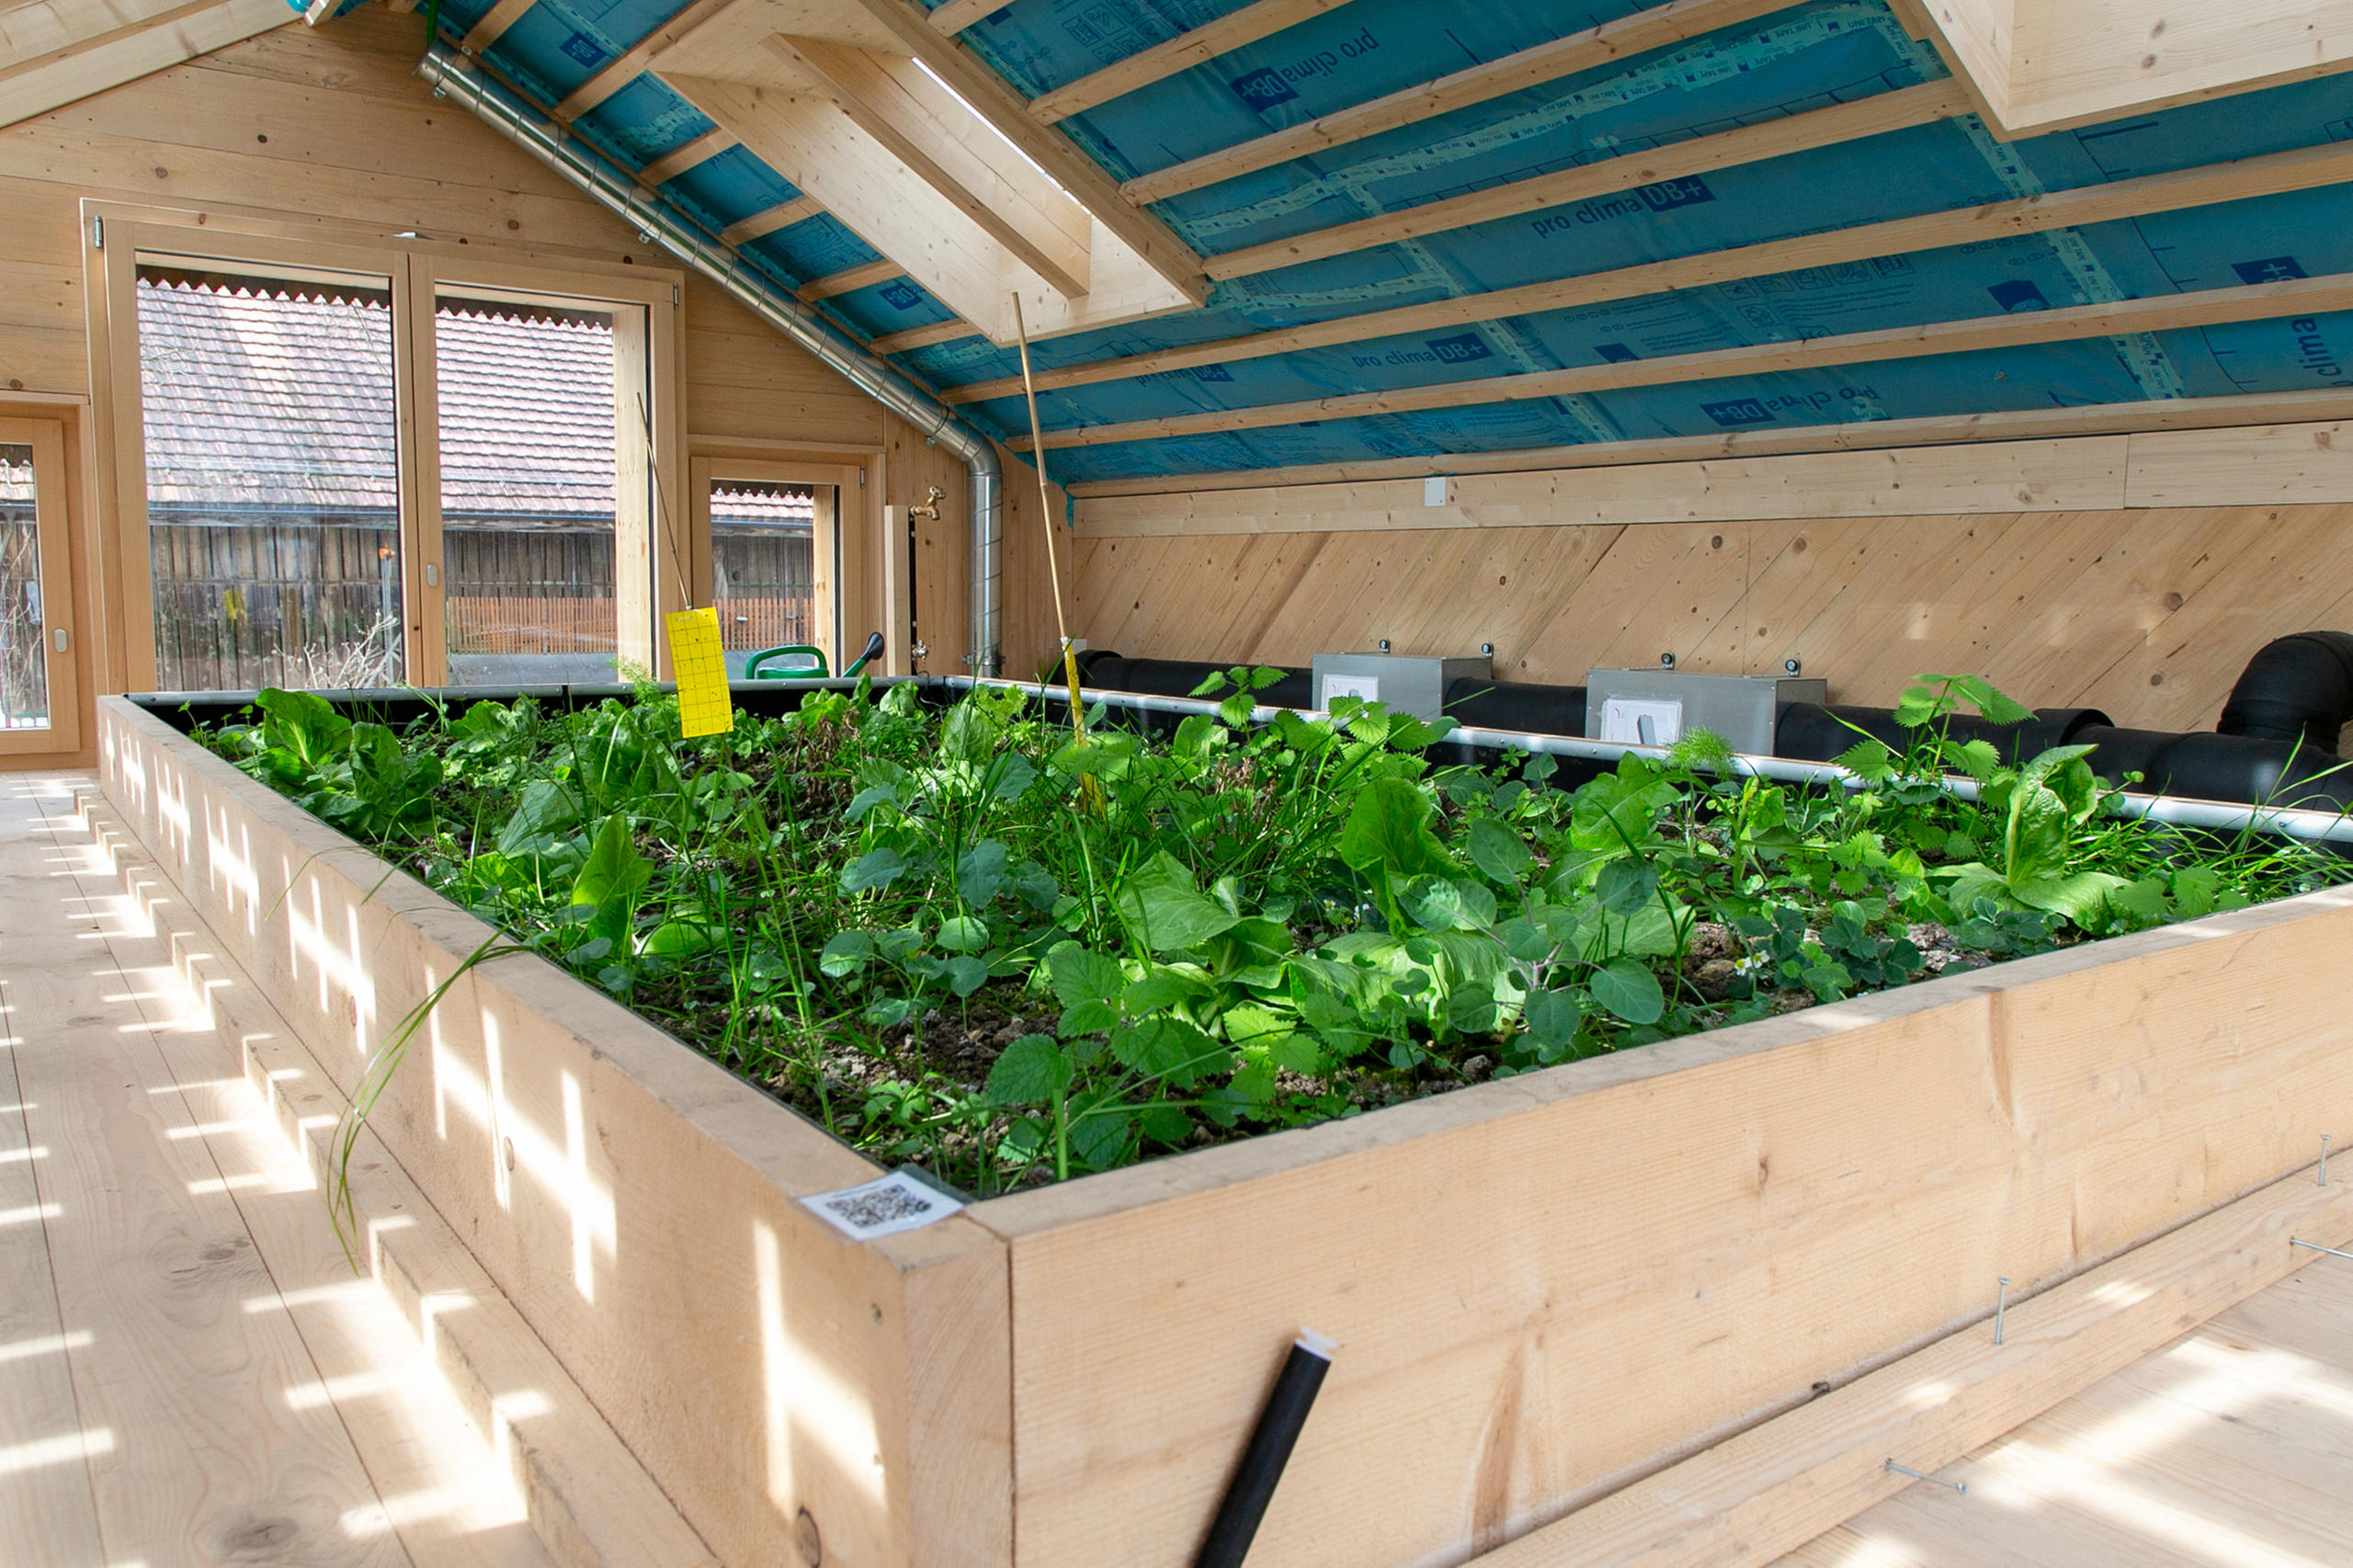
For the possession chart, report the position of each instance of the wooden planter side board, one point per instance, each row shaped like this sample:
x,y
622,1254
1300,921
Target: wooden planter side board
x,y
632,1198
1542,1288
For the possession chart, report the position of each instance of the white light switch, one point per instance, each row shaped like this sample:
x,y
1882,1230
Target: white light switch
x,y
1366,687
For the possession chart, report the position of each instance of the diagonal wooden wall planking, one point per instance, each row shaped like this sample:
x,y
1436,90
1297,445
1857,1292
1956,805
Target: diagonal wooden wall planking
x,y
2148,613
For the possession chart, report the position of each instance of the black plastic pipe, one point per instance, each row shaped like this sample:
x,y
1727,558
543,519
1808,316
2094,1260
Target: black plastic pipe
x,y
2298,688
1516,705
1271,1441
1814,732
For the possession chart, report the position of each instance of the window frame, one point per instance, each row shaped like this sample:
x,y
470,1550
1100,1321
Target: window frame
x,y
647,305
52,529
827,563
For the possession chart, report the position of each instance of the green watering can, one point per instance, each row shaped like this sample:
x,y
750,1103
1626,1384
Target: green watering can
x,y
806,662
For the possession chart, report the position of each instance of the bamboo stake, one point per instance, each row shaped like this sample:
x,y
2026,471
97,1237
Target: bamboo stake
x,y
1046,519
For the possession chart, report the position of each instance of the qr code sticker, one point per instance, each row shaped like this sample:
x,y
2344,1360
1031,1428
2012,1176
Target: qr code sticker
x,y
879,1208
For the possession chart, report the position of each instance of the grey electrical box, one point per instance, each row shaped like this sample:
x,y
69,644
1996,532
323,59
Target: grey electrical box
x,y
1660,707
1399,684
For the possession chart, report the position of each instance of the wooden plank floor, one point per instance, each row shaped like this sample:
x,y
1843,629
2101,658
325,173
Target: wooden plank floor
x,y
2232,1448
189,1372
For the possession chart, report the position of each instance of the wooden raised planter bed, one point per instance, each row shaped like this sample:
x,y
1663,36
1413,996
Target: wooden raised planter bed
x,y
1542,1288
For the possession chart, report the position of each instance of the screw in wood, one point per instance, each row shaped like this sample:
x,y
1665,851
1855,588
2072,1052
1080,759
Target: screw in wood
x,y
2001,1306
1961,1486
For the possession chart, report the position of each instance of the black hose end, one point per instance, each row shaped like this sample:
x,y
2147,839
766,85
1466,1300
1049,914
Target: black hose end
x,y
1271,1441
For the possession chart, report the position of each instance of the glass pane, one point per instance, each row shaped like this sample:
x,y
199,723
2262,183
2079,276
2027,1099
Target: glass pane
x,y
272,485
24,653
763,569
528,463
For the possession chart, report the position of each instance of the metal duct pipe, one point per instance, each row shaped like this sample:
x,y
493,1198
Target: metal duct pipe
x,y
455,76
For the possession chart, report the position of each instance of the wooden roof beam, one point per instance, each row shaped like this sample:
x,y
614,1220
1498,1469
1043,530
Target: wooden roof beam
x,y
2311,404
923,336
2273,174
2303,296
1232,31
638,61
62,51
1565,56
849,279
768,220
989,95
678,160
494,25
955,154
958,15
1874,116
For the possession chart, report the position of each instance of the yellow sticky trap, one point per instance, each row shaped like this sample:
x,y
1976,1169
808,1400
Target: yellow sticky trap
x,y
705,707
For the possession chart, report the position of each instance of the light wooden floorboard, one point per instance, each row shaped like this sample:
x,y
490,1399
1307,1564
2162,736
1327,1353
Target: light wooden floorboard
x,y
2232,1448
239,1397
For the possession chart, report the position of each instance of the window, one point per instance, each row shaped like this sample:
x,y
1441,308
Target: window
x,y
775,558
382,463
37,700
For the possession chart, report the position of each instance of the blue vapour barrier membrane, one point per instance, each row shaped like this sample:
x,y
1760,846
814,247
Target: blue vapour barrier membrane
x,y
1808,56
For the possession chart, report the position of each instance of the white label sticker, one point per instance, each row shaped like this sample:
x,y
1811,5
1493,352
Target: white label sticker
x,y
883,1206
1650,721
1434,491
1366,687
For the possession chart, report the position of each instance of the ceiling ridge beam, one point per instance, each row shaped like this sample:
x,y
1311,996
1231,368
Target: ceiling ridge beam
x,y
2331,291
1064,161
638,60
2308,405
678,160
2271,173
864,274
1564,56
1899,110
494,25
953,158
1233,30
768,220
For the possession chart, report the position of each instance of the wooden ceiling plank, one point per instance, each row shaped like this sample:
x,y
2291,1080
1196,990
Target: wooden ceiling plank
x,y
2302,168
1009,198
1581,51
638,61
923,336
2303,296
864,275
701,150
1943,430
1898,110
1064,161
1232,31
767,220
493,25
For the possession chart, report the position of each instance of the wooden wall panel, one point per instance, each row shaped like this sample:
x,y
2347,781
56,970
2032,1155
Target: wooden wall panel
x,y
2148,613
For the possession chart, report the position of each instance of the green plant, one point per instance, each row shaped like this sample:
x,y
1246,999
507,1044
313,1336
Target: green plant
x,y
1016,952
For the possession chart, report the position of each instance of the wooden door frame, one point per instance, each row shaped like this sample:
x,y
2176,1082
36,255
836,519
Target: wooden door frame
x,y
828,539
54,539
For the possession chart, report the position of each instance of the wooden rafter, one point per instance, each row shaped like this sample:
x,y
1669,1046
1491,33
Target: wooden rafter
x,y
958,15
768,220
494,25
638,61
1565,56
1206,42
863,276
1011,201
2273,174
677,160
1884,112
980,86
1867,435
923,336
2332,291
